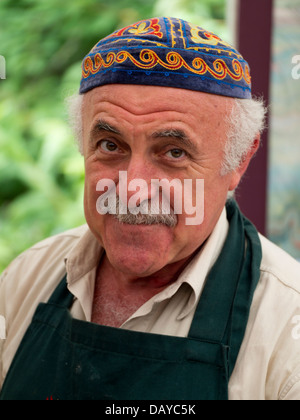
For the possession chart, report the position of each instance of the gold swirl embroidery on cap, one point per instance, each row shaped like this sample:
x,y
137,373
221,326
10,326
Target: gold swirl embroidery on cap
x,y
210,38
148,59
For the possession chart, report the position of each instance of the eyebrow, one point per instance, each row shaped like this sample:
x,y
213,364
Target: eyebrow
x,y
172,133
176,134
102,125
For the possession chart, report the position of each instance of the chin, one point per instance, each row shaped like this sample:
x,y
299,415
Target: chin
x,y
136,269
138,250
136,262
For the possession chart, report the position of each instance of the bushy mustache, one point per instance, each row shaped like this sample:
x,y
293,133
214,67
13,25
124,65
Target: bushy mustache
x,y
146,213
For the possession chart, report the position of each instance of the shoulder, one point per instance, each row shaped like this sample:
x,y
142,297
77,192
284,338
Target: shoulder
x,y
279,265
64,240
60,244
46,258
271,344
29,280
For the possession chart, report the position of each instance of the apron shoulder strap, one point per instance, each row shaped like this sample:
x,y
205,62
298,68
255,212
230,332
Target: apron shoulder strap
x,y
223,310
62,296
246,288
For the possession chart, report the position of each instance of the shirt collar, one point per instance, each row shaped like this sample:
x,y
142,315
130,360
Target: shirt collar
x,y
196,272
81,265
84,257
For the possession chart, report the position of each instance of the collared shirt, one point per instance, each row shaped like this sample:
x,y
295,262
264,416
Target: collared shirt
x,y
268,366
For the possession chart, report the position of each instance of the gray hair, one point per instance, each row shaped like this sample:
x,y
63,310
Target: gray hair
x,y
74,104
246,121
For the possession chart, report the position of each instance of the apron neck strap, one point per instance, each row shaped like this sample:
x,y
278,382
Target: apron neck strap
x,y
223,311
62,296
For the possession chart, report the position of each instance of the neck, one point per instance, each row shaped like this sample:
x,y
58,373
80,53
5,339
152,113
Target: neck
x,y
117,296
155,282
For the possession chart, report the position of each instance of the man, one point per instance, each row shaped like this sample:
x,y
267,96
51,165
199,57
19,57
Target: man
x,y
167,292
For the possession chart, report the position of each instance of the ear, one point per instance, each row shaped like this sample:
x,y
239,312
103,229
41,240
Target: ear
x,y
239,172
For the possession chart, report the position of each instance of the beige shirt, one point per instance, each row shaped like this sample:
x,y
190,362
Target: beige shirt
x,y
268,365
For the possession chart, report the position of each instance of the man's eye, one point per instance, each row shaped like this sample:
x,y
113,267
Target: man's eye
x,y
176,153
108,146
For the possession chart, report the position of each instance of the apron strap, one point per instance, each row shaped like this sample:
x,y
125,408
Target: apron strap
x,y
244,295
223,310
62,296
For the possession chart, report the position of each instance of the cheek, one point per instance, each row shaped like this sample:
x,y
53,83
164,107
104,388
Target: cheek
x,y
93,218
90,204
95,172
215,200
202,213
90,191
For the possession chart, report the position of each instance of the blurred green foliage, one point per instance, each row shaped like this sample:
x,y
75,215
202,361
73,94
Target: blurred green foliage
x,y
43,42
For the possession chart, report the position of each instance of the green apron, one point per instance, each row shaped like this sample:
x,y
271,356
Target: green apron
x,y
67,359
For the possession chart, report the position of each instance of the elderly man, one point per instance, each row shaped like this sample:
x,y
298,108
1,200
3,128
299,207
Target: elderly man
x,y
166,293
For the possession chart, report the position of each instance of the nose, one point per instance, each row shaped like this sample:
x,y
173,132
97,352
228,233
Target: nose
x,y
135,184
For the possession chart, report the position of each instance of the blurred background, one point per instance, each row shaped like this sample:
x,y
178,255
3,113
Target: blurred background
x,y
41,171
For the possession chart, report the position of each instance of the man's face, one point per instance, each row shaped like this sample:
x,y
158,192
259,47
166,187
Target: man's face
x,y
154,133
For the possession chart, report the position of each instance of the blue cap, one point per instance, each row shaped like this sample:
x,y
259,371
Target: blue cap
x,y
167,52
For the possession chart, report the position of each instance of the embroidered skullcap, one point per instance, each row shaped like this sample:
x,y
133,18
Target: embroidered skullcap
x,y
167,52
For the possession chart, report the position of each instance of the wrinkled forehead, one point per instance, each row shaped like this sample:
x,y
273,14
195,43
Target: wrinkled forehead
x,y
137,100
141,112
